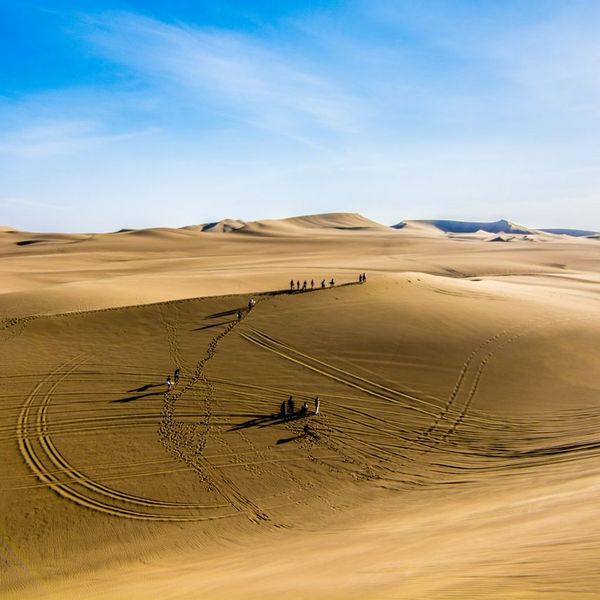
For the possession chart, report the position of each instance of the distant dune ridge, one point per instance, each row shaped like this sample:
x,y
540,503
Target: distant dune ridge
x,y
500,226
339,221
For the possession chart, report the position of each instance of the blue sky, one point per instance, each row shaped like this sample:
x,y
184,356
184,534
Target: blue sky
x,y
139,114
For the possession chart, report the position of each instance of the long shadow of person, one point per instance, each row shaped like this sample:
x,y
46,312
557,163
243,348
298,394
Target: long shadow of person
x,y
145,387
262,421
137,397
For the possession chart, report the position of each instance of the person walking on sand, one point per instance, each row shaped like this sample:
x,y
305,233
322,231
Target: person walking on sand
x,y
332,282
360,278
291,285
290,407
283,410
169,383
239,315
364,277
176,376
317,405
304,286
312,284
251,303
304,410
322,284
298,285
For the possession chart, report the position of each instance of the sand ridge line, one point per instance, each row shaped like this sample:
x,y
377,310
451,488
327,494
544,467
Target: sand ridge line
x,y
9,322
260,295
65,490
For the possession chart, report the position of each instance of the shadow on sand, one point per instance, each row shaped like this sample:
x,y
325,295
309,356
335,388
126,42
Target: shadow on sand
x,y
214,325
262,421
268,420
137,397
290,439
146,387
225,313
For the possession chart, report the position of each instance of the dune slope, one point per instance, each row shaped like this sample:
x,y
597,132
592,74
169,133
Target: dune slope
x,y
455,454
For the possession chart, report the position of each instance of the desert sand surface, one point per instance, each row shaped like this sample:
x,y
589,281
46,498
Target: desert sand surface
x,y
456,453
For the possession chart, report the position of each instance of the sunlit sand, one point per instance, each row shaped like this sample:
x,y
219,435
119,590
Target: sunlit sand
x,y
456,453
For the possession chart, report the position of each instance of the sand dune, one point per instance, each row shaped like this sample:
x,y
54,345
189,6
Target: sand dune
x,y
509,231
449,226
456,454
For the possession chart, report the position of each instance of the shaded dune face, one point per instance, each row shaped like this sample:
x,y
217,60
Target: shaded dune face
x,y
452,411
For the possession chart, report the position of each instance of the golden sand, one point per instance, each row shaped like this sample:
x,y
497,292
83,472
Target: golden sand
x,y
456,453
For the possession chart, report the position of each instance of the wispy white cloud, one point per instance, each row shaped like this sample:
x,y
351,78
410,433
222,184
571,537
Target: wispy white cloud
x,y
396,109
239,77
530,66
26,203
58,137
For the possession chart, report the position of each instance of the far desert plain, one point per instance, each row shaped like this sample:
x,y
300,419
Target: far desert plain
x,y
456,453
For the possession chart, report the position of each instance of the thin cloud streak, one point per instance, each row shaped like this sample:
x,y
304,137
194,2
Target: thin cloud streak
x,y
394,110
56,138
16,202
257,84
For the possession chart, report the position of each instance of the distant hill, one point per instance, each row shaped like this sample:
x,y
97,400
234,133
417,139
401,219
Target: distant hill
x,y
327,221
501,226
573,232
494,227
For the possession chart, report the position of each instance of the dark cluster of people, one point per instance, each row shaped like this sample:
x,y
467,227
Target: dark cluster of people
x,y
240,314
295,286
305,286
288,408
171,383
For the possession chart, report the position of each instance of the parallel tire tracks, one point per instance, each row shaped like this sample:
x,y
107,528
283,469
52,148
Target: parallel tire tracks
x,y
69,483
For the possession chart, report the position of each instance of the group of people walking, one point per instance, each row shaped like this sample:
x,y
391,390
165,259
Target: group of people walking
x,y
288,409
239,313
171,383
308,285
296,286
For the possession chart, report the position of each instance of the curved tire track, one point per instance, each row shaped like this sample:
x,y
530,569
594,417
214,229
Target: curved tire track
x,y
35,460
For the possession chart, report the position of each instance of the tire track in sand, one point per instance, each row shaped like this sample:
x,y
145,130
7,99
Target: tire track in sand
x,y
186,441
312,363
485,360
36,462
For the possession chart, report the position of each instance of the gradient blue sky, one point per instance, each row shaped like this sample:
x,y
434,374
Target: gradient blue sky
x,y
137,114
